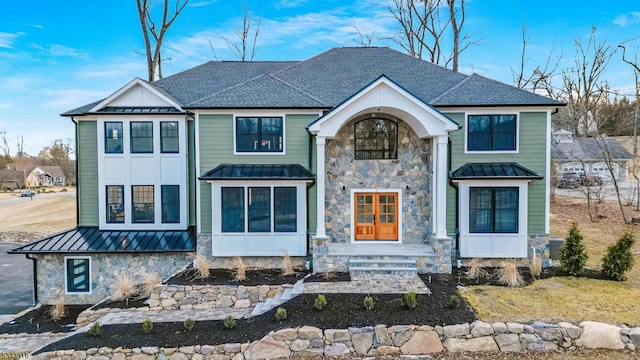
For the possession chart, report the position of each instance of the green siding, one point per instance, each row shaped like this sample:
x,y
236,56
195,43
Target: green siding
x,y
532,155
87,158
191,171
216,147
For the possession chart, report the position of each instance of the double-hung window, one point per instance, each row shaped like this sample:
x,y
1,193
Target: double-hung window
x,y
113,137
491,133
259,134
169,137
170,204
115,204
142,204
493,210
259,202
78,275
142,137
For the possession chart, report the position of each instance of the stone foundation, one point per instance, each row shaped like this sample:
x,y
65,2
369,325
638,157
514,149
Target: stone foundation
x,y
381,340
105,268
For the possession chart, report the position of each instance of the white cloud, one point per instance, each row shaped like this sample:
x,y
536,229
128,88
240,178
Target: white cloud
x,y
6,39
17,83
64,51
327,28
202,3
116,69
71,98
284,4
5,106
630,18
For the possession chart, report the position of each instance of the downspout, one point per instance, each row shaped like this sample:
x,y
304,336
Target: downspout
x,y
457,216
35,278
75,126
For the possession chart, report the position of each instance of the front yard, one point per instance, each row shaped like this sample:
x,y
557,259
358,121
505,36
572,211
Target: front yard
x,y
567,298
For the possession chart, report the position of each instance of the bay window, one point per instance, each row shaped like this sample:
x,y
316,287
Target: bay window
x,y
260,203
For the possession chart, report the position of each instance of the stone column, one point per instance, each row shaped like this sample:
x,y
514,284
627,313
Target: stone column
x,y
440,178
320,174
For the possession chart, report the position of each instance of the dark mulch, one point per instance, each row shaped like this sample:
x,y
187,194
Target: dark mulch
x,y
342,311
226,277
132,302
328,277
492,278
39,321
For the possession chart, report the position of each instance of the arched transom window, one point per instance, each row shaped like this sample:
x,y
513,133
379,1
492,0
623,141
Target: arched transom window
x,y
376,138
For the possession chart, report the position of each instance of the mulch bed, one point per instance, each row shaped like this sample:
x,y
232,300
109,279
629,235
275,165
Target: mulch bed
x,y
226,277
342,311
39,321
492,279
132,302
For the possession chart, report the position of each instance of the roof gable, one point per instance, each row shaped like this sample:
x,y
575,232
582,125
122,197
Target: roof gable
x,y
137,93
385,96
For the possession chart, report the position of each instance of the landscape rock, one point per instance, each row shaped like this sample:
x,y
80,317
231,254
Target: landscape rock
x,y
570,330
285,334
335,335
422,342
382,336
455,330
362,342
515,328
499,327
598,335
481,328
508,342
309,332
299,345
336,350
634,335
485,343
268,348
387,350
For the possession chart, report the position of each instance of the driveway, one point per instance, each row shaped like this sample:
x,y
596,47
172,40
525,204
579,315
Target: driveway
x,y
15,282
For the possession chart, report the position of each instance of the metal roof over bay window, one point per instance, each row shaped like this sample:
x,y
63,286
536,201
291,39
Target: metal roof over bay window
x,y
258,172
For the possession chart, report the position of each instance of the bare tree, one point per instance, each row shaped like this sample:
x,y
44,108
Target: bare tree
x,y
244,46
583,87
423,29
364,39
156,31
5,158
58,153
540,78
636,115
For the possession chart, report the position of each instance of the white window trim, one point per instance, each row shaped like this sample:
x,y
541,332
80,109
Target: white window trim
x,y
261,153
126,179
353,221
240,242
467,248
66,289
488,112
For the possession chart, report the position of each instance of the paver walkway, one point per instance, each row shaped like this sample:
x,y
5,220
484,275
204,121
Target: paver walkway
x,y
378,284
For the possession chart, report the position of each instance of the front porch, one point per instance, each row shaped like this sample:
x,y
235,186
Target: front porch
x,y
371,258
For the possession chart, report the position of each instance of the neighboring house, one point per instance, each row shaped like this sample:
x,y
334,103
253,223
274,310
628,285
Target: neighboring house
x,y
350,156
46,176
589,155
11,179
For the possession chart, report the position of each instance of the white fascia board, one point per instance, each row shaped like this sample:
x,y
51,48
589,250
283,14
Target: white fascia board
x,y
385,95
133,83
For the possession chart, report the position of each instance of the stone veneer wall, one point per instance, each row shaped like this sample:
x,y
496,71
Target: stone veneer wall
x,y
105,268
381,340
188,297
256,262
413,167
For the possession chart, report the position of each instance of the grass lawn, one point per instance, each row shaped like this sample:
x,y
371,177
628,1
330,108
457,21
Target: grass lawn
x,y
566,298
43,215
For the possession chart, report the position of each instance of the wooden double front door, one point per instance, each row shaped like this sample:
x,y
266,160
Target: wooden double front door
x,y
376,216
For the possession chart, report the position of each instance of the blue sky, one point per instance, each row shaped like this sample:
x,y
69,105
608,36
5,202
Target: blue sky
x,y
55,56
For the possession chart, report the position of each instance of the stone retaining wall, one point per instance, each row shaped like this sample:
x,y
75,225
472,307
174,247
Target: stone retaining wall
x,y
380,340
187,297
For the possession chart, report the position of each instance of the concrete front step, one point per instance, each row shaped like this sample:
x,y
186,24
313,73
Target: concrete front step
x,y
365,267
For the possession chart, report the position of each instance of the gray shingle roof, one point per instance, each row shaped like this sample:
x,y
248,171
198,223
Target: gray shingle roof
x,y
328,79
589,149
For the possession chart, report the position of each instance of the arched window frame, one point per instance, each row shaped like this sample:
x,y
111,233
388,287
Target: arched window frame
x,y
369,145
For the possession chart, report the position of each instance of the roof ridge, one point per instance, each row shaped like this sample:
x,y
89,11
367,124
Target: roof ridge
x,y
228,88
320,101
451,89
302,61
